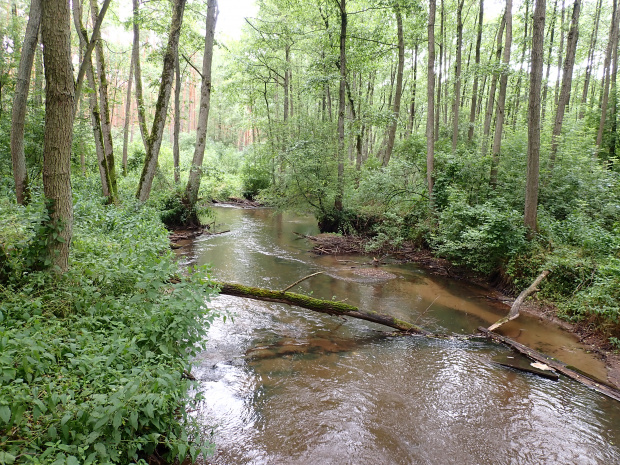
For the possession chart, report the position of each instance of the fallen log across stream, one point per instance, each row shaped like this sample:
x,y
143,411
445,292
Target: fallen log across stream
x,y
339,308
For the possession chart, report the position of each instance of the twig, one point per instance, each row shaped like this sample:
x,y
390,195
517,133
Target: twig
x,y
302,279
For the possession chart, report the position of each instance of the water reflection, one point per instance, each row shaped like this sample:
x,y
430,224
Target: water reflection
x,y
289,386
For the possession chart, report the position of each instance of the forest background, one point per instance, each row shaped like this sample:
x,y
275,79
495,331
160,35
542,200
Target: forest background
x,y
483,131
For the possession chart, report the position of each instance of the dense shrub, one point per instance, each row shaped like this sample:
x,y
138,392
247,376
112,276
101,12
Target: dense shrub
x,y
92,361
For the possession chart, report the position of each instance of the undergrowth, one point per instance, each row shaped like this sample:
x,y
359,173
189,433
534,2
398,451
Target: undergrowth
x,y
92,362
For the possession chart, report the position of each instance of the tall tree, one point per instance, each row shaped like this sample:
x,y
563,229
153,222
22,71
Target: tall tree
x,y
590,62
430,117
153,142
22,84
128,112
533,127
501,98
193,183
567,78
176,155
457,74
342,6
59,115
399,87
474,92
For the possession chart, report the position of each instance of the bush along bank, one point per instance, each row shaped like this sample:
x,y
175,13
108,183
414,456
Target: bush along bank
x,y
92,361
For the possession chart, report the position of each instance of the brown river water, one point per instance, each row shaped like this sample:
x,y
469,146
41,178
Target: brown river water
x,y
284,385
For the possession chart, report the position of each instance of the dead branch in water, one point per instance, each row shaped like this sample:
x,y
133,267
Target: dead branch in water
x,y
302,279
516,306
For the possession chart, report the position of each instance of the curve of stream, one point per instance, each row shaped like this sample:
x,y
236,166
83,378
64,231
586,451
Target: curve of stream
x,y
284,385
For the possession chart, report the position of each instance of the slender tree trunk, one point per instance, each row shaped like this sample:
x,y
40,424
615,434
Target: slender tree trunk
x,y
501,98
567,78
399,88
614,100
413,91
20,100
430,116
441,60
474,92
104,106
341,105
128,112
176,155
488,117
517,94
95,115
161,108
138,75
549,55
533,128
59,114
591,51
560,57
457,74
193,182
613,42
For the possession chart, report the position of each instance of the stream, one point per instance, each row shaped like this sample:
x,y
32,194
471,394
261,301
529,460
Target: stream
x,y
284,385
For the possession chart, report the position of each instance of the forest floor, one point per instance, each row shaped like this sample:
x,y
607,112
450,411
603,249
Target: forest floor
x,y
330,244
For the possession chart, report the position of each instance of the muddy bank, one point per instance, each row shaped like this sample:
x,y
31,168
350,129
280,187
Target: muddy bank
x,y
332,244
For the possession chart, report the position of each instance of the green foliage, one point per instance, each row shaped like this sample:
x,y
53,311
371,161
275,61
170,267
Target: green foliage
x,y
92,361
482,236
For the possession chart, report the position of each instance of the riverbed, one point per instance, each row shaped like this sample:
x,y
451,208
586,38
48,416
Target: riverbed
x,y
284,385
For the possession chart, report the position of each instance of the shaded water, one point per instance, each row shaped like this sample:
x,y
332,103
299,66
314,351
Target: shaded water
x,y
284,385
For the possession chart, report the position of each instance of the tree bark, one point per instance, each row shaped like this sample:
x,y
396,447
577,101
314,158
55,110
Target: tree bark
x,y
341,105
457,74
20,100
591,51
501,98
440,71
474,92
549,54
330,307
533,132
144,132
193,183
399,88
613,42
560,56
104,105
59,114
567,79
430,115
517,94
176,156
128,111
161,109
411,124
488,117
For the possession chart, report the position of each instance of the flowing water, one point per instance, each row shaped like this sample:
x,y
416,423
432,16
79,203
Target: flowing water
x,y
284,385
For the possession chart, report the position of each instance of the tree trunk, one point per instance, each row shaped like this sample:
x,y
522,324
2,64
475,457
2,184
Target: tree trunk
x,y
533,128
138,75
439,78
161,108
104,106
474,92
399,88
330,307
560,56
517,95
193,182
430,115
341,105
591,51
128,111
457,74
567,78
411,124
20,100
549,54
488,117
501,98
59,114
95,116
176,155
613,42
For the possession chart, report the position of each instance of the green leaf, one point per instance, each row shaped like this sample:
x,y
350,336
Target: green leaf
x,y
133,419
118,419
5,413
72,460
148,409
6,458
